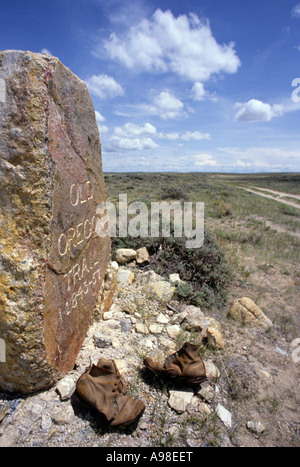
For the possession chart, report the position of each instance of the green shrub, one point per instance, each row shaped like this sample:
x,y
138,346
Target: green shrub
x,y
205,271
174,193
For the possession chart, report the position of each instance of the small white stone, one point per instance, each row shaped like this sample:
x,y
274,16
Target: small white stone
x,y
224,415
162,319
156,328
256,427
173,331
141,328
66,388
179,400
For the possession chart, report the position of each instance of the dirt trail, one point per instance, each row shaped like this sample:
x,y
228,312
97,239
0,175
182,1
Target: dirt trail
x,y
279,200
281,194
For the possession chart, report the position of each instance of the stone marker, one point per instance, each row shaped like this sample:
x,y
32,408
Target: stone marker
x,y
52,262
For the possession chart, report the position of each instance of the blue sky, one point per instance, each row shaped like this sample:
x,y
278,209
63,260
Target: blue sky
x,y
180,86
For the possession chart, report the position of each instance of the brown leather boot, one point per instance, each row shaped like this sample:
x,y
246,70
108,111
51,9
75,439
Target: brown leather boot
x,y
102,388
185,366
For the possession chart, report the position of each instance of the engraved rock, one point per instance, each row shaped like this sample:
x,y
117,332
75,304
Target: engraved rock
x,y
52,262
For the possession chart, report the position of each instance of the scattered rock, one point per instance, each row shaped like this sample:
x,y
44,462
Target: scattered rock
x,y
101,341
141,328
168,344
151,276
124,277
256,427
214,338
179,400
143,426
206,393
126,325
246,312
124,255
195,319
142,256
109,290
212,372
46,422
161,290
179,318
107,315
162,319
224,415
204,409
63,415
66,388
174,279
155,328
173,331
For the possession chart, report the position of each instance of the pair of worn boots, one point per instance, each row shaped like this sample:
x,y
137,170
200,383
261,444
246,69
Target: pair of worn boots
x,y
102,387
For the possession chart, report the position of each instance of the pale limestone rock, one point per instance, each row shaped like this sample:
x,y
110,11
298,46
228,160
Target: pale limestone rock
x,y
155,328
141,328
179,317
195,319
174,279
204,410
142,256
256,427
179,400
162,319
66,388
207,393
124,277
212,372
214,338
173,331
124,255
160,290
246,312
224,415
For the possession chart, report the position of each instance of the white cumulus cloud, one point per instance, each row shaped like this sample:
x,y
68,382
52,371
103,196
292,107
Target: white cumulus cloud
x,y
187,136
134,137
131,129
184,45
196,135
296,11
202,160
262,158
100,119
168,106
257,111
198,91
104,86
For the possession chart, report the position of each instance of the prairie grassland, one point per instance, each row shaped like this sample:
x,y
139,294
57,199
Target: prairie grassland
x,y
234,215
259,236
260,240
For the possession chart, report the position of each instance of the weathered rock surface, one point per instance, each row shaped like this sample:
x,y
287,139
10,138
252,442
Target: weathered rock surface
x,y
124,255
52,262
142,256
161,290
246,312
